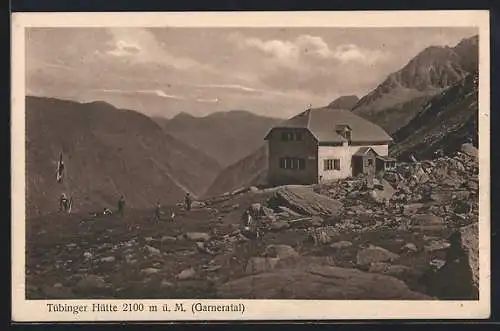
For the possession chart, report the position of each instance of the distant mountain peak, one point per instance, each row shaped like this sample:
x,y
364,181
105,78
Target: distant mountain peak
x,y
183,115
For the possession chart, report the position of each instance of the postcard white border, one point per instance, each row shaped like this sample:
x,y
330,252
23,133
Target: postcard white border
x,y
35,310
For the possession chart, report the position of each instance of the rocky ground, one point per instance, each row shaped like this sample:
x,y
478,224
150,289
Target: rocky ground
x,y
411,234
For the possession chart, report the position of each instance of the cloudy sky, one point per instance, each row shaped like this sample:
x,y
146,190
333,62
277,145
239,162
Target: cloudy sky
x,y
269,71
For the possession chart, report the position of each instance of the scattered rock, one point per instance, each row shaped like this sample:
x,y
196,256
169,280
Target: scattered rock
x,y
168,238
409,248
437,246
412,208
437,264
200,246
426,222
285,211
165,283
374,254
108,259
153,251
197,236
461,206
198,204
186,274
280,251
279,225
267,211
57,292
150,271
238,191
254,189
389,269
470,150
261,264
90,283
341,245
382,192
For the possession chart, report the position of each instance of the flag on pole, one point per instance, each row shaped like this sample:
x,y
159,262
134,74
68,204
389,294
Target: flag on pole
x,y
60,168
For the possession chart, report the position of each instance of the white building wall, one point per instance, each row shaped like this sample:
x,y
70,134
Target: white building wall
x,y
344,154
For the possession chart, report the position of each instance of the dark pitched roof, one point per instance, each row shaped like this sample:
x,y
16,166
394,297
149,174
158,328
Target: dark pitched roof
x,y
322,123
363,150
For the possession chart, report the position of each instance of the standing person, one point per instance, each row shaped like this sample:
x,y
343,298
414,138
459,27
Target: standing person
x,y
69,205
187,202
63,203
158,211
121,205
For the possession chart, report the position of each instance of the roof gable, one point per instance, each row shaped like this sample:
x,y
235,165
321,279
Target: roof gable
x,y
362,151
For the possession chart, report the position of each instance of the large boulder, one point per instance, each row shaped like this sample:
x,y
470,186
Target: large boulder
x,y
318,282
458,278
305,201
470,150
383,191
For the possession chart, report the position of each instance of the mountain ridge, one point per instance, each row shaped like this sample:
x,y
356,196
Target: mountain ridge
x,y
227,136
107,152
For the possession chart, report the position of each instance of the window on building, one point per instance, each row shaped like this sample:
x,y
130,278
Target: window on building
x,y
348,135
282,163
369,162
292,163
336,164
332,164
291,136
302,164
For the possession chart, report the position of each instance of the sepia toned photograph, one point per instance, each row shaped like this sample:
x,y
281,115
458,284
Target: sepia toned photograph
x,y
251,163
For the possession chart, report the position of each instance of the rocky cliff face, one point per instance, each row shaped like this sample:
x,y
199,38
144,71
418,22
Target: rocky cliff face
x,y
445,122
427,74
